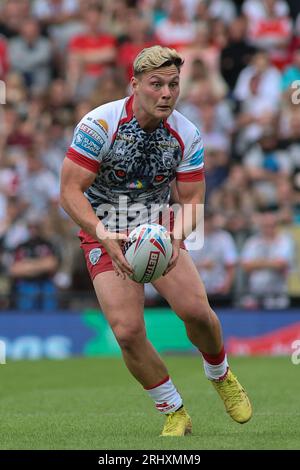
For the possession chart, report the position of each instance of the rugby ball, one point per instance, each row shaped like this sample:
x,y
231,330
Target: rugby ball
x,y
148,251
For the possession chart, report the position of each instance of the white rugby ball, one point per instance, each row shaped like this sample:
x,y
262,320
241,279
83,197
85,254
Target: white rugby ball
x,y
148,251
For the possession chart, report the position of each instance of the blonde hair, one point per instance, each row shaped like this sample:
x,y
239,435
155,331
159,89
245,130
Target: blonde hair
x,y
155,57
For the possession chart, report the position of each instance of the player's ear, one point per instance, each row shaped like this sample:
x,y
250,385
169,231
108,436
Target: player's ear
x,y
134,83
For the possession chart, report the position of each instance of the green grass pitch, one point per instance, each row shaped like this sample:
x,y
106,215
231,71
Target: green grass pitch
x,y
93,403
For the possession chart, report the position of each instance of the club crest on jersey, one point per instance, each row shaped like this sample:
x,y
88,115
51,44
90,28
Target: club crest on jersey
x,y
119,149
94,255
167,159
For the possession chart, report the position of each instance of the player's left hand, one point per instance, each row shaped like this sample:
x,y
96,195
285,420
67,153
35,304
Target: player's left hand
x,y
175,254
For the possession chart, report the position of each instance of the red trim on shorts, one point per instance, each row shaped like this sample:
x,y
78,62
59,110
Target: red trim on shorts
x,y
83,161
159,383
103,264
127,118
175,134
214,359
190,176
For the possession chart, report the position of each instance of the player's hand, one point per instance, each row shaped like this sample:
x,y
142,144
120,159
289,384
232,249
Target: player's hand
x,y
113,242
175,254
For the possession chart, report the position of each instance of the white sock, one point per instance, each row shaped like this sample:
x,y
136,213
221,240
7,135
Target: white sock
x,y
165,396
215,371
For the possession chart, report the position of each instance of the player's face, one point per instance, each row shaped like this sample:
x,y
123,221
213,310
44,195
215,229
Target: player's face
x,y
157,91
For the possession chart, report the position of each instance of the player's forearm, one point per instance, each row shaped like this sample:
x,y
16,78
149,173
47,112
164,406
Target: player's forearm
x,y
190,216
81,211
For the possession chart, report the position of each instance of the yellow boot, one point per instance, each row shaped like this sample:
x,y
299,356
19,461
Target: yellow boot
x,y
177,423
235,398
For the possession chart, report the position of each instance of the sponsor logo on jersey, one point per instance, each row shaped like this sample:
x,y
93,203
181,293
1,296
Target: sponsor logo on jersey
x,y
87,144
166,144
126,137
103,124
91,133
94,255
197,141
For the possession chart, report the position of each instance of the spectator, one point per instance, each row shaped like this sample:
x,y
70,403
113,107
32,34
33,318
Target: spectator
x,y
31,54
292,73
202,53
216,260
205,93
258,94
13,230
58,103
90,53
260,9
116,15
270,28
269,80
291,145
16,90
12,14
265,161
266,164
55,11
39,188
110,87
235,203
139,36
175,31
224,10
294,8
267,258
60,19
4,66
34,264
237,53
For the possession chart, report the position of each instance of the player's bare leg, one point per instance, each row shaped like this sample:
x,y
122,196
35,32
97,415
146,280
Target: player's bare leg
x,y
185,293
122,302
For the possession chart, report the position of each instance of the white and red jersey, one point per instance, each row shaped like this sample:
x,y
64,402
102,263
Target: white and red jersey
x,y
134,168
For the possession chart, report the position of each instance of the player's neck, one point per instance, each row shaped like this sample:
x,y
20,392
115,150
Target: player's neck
x,y
146,122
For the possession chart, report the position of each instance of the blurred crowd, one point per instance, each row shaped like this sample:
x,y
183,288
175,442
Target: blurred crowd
x,y
240,85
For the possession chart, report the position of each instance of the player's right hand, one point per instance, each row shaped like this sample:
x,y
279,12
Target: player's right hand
x,y
112,242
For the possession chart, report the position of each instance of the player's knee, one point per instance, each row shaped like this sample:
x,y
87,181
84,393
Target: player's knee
x,y
197,310
129,336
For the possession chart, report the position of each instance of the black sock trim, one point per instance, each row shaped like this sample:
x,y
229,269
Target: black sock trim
x,y
179,408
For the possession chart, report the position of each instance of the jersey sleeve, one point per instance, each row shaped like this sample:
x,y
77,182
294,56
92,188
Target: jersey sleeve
x,y
89,144
191,167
